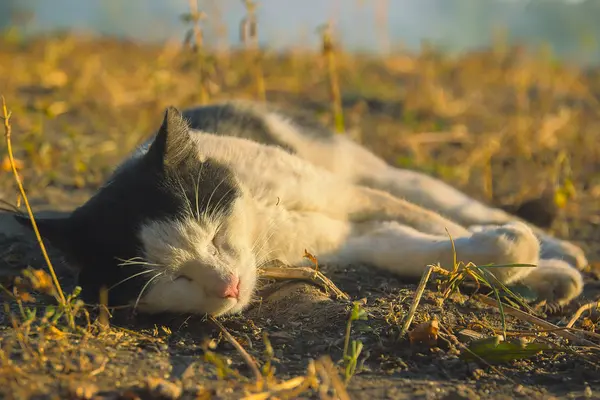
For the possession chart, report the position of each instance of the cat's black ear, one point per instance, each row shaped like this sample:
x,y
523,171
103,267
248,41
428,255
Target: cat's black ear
x,y
173,144
57,231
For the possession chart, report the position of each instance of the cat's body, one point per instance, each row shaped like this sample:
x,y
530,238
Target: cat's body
x,y
198,211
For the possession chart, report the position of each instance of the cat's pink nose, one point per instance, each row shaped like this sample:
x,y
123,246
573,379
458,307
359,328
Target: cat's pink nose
x,y
231,287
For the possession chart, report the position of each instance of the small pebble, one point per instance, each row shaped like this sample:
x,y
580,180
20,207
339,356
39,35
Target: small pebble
x,y
461,392
162,389
83,390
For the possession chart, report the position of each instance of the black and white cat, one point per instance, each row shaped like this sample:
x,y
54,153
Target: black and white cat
x,y
186,222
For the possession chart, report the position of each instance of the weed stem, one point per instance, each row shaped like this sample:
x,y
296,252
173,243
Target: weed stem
x,y
7,135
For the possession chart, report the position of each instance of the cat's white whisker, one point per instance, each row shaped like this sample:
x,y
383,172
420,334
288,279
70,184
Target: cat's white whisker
x,y
131,262
131,277
197,190
205,214
214,215
131,259
261,243
272,221
184,195
144,288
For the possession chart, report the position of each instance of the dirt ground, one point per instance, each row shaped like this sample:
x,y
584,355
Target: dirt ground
x,y
519,131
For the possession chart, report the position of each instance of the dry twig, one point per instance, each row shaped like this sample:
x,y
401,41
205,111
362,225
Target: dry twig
x,y
416,300
536,321
329,374
581,310
247,357
305,274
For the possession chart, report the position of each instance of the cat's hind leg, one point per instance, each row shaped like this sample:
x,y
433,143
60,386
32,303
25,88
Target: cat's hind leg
x,y
552,248
554,280
434,194
355,163
406,252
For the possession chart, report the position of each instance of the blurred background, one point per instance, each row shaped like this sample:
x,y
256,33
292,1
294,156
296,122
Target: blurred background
x,y
501,98
569,27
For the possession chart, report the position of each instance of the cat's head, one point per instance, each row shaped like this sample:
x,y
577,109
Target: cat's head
x,y
169,231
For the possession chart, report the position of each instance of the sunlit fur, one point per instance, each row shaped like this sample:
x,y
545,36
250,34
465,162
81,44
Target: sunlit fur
x,y
289,205
193,254
226,188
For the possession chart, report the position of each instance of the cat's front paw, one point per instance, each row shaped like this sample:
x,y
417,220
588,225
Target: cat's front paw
x,y
554,281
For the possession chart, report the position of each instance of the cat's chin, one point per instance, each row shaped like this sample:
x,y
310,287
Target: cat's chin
x,y
185,296
237,308
214,307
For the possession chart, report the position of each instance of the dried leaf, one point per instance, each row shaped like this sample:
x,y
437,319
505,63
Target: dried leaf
x,y
40,280
22,295
426,333
588,325
6,164
312,258
53,332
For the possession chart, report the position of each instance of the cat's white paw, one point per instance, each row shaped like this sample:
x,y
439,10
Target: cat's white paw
x,y
555,281
512,243
553,248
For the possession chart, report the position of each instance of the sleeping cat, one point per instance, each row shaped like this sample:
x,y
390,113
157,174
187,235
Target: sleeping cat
x,y
187,221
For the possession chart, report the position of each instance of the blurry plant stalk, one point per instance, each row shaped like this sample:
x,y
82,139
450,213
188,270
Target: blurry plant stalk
x,y
195,39
328,51
249,37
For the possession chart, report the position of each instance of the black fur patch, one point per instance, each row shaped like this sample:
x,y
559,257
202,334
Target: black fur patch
x,y
155,186
230,119
97,235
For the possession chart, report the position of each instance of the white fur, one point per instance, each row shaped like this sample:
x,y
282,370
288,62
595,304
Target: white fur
x,y
354,163
345,205
204,254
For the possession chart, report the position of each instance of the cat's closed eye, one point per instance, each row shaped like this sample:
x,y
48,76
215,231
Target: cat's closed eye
x,y
220,241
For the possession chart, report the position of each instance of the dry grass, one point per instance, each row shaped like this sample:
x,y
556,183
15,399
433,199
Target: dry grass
x,y
502,125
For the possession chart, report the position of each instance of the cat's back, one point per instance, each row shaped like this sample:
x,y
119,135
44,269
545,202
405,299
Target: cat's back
x,y
292,131
268,170
296,131
253,138
264,123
